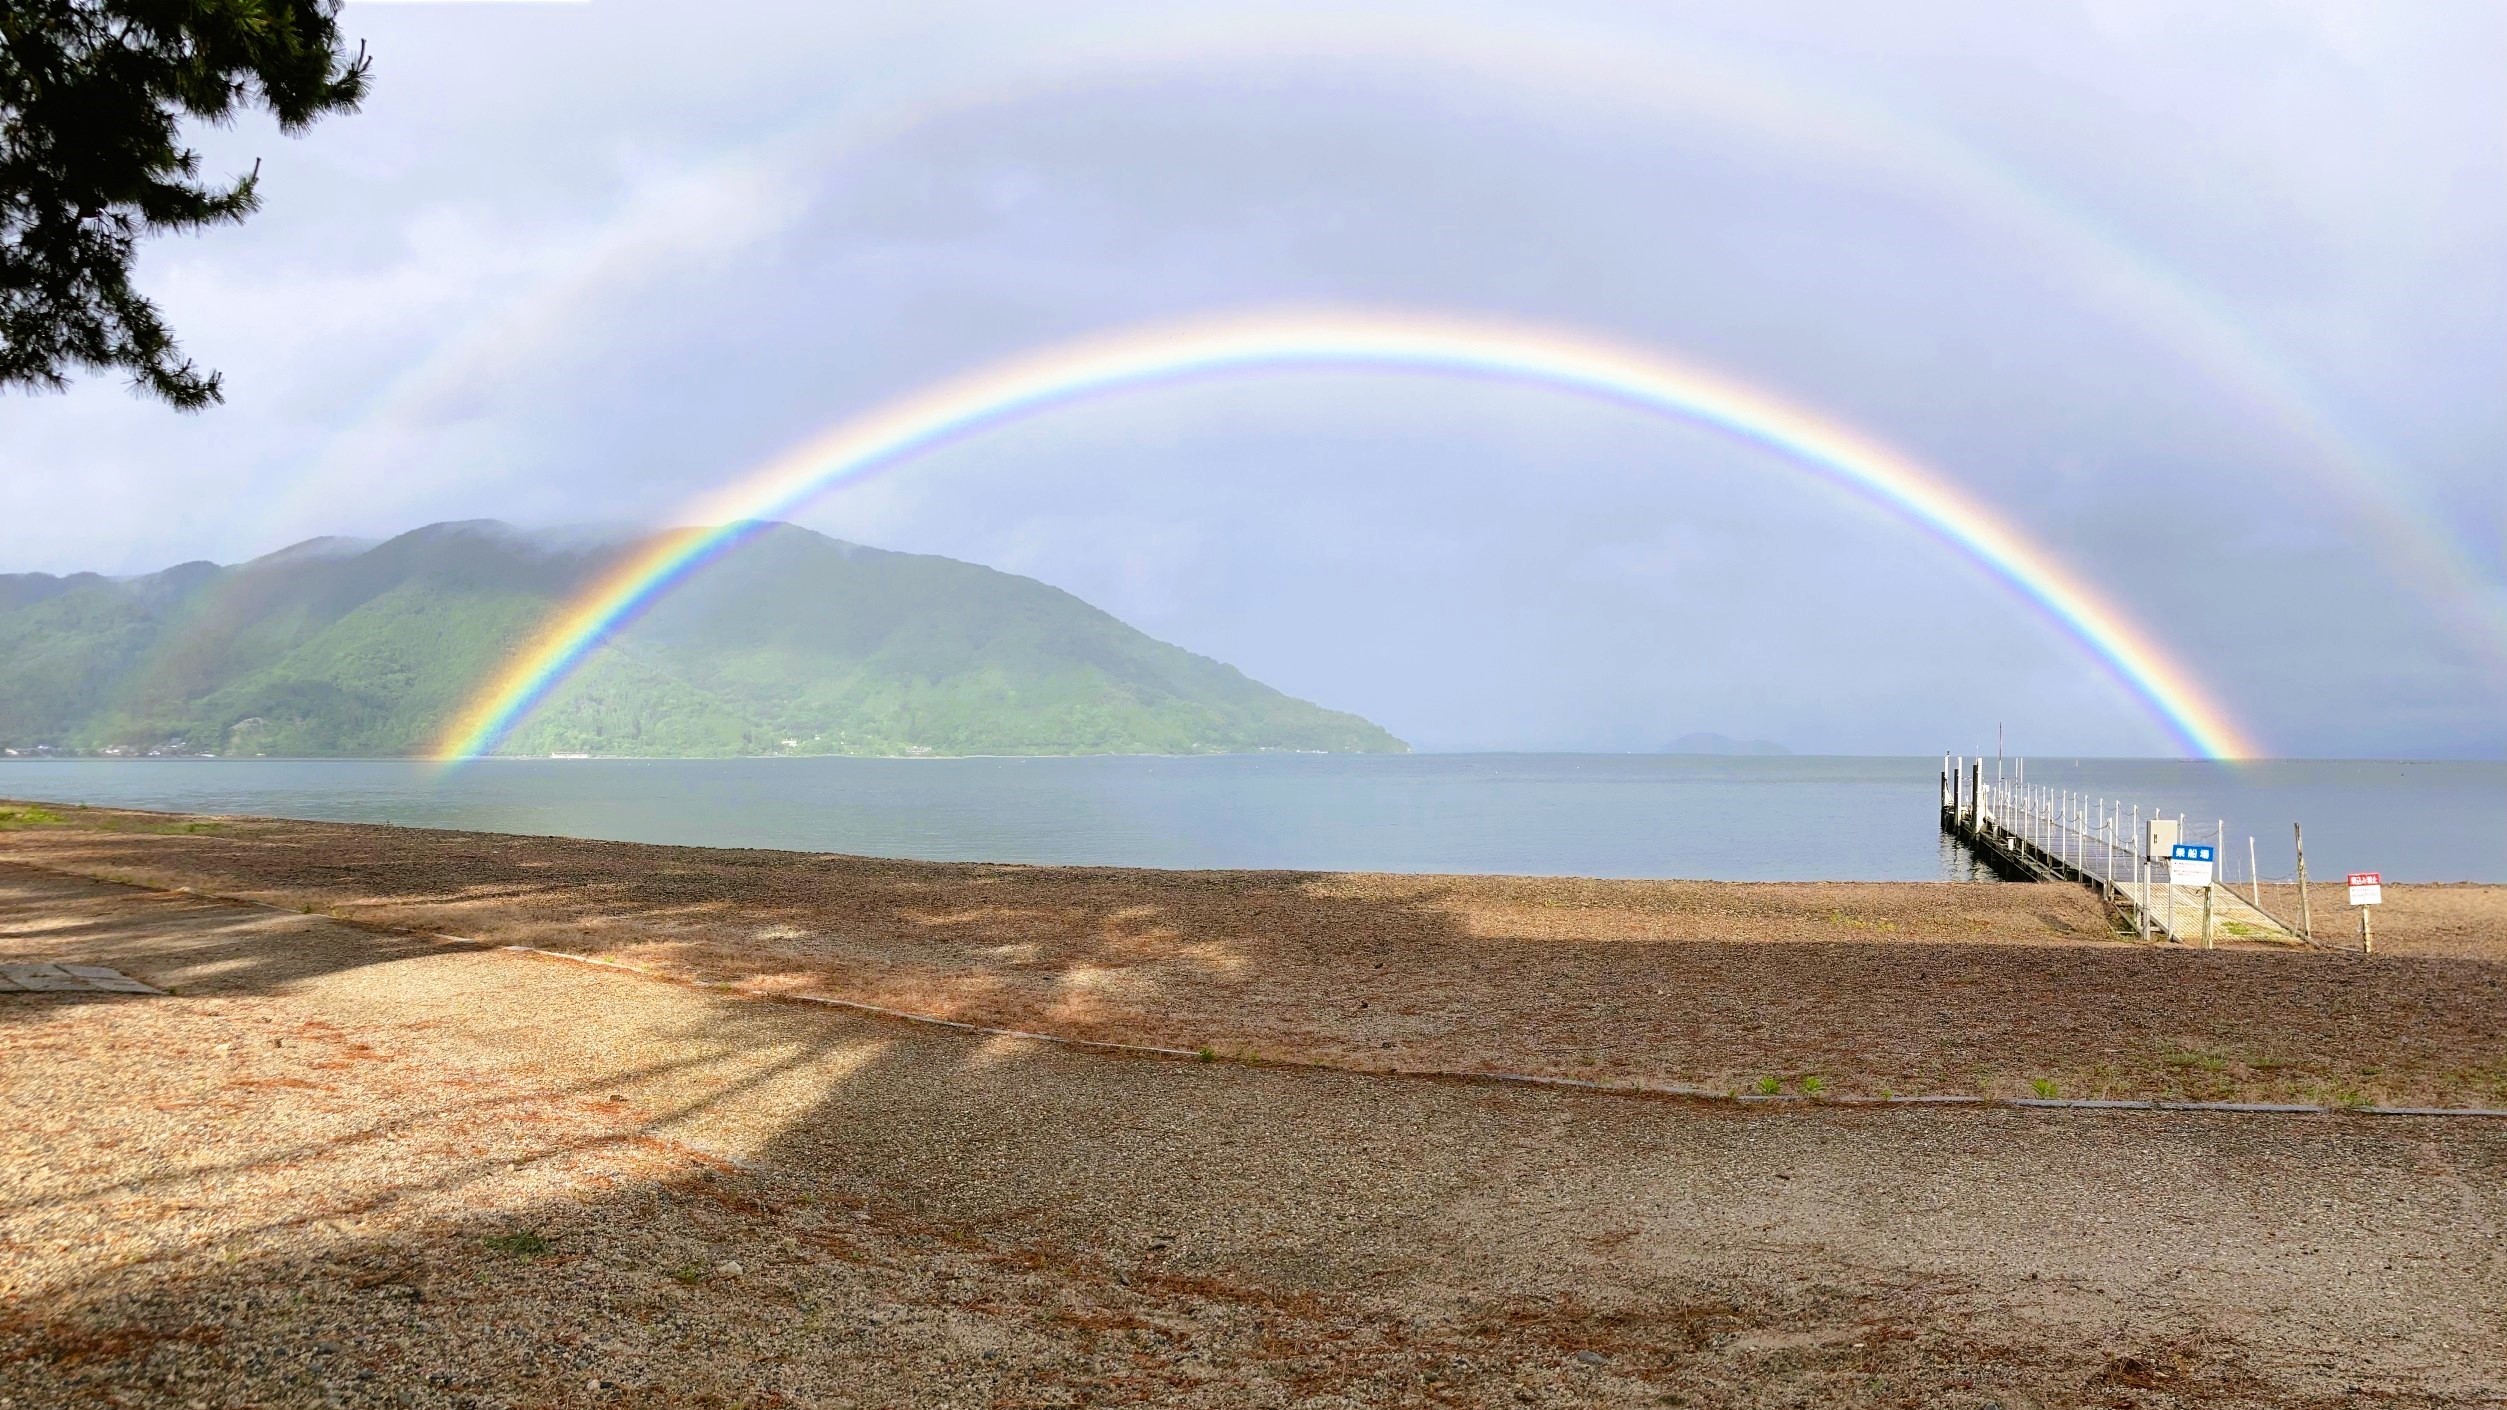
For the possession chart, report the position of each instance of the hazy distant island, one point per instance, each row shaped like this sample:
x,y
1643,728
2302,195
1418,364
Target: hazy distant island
x,y
1706,743
796,643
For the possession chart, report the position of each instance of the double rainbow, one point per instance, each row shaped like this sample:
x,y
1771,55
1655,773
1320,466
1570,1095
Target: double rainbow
x,y
1176,352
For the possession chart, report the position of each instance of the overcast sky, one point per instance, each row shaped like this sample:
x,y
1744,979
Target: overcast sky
x,y
2210,299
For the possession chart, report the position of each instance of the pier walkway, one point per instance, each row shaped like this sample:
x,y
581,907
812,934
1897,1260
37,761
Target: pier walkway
x,y
2028,833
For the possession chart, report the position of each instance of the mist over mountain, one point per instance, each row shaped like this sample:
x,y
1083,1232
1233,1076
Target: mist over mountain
x,y
796,643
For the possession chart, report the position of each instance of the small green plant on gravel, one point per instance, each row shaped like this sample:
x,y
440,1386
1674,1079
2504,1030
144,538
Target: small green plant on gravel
x,y
2044,1087
522,1243
28,817
1813,1085
689,1273
2208,1062
1768,1086
1204,1054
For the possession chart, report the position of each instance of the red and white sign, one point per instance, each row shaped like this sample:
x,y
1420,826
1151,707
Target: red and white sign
x,y
2367,888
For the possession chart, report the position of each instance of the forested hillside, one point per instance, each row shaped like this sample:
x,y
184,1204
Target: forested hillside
x,y
794,644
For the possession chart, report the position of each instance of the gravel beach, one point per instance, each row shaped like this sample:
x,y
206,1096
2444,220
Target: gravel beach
x,y
340,1166
1852,988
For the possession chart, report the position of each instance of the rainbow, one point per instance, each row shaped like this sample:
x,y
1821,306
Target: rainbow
x,y
746,193
1169,353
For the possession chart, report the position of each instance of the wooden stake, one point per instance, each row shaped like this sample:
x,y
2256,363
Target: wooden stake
x,y
2254,874
2306,922
2367,932
2206,917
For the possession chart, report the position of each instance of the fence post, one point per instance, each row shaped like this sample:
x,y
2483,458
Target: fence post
x,y
2254,874
2206,915
2306,922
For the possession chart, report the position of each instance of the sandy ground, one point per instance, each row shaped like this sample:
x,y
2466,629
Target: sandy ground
x,y
343,1167
1846,988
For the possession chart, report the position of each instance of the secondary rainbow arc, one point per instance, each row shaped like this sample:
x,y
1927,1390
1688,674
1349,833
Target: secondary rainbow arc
x,y
1169,353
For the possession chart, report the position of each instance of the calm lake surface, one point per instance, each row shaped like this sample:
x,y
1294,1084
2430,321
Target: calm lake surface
x,y
1567,814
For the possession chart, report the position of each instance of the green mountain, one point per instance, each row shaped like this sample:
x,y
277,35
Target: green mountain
x,y
795,643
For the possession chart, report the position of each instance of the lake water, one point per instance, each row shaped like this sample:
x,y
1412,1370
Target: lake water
x,y
1569,814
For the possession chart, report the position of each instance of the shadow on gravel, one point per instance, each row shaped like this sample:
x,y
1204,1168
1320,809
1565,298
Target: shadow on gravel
x,y
182,946
1996,989
921,1220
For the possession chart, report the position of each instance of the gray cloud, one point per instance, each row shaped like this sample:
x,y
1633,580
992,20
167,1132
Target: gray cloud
x,y
585,263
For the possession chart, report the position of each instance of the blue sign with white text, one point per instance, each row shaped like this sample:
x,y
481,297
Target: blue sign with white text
x,y
2191,852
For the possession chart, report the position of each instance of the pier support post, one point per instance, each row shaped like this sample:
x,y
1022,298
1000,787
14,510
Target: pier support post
x,y
2106,824
2171,899
2141,877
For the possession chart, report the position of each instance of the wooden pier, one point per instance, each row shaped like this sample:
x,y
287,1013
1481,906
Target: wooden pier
x,y
2024,832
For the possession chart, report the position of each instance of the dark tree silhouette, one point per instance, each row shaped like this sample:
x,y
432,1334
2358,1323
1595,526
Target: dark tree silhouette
x,y
93,95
